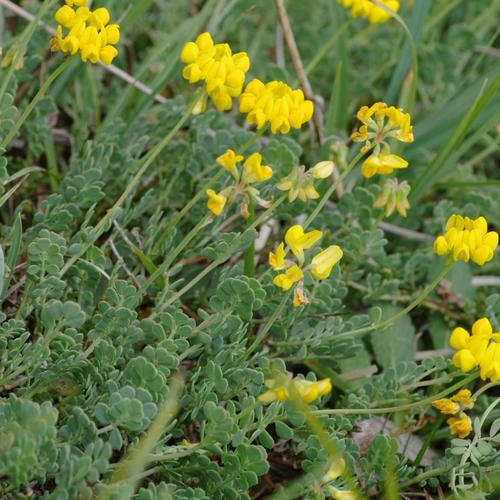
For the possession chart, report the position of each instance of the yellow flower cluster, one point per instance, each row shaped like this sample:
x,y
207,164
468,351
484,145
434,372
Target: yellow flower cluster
x,y
481,348
381,122
300,183
252,172
372,12
277,104
215,64
394,196
308,390
320,267
87,31
461,424
466,239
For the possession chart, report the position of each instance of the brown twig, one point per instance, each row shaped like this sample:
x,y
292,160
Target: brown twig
x,y
19,11
298,66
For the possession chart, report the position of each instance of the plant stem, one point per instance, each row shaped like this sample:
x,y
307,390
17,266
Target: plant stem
x,y
263,333
180,215
437,424
172,255
384,324
331,189
146,163
193,282
394,409
249,267
262,217
36,99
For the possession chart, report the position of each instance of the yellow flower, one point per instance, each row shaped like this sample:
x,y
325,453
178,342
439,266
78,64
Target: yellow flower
x,y
461,426
88,31
286,280
446,406
380,122
216,202
300,183
229,160
308,390
322,264
481,348
322,170
394,196
337,494
459,338
372,12
298,240
254,171
277,260
277,104
490,364
382,164
78,3
463,397
222,71
336,469
466,239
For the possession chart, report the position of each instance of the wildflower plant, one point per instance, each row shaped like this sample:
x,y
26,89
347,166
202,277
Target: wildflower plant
x,y
200,298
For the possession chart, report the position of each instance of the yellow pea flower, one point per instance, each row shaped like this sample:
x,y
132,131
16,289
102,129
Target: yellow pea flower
x,y
322,264
370,11
322,170
394,196
461,426
229,160
277,260
382,164
88,32
277,104
464,398
78,3
464,360
254,171
446,406
466,239
459,338
287,279
337,494
298,240
380,123
336,469
490,363
308,390
215,64
216,202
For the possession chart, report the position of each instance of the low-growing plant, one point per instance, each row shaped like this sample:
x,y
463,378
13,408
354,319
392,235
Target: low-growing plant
x,y
272,272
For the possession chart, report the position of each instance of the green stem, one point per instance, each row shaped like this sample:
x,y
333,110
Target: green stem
x,y
36,99
263,333
250,251
262,217
193,282
331,189
180,215
147,161
484,389
428,440
172,255
384,324
394,409
24,40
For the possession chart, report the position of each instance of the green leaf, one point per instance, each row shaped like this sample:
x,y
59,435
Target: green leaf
x,y
396,343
